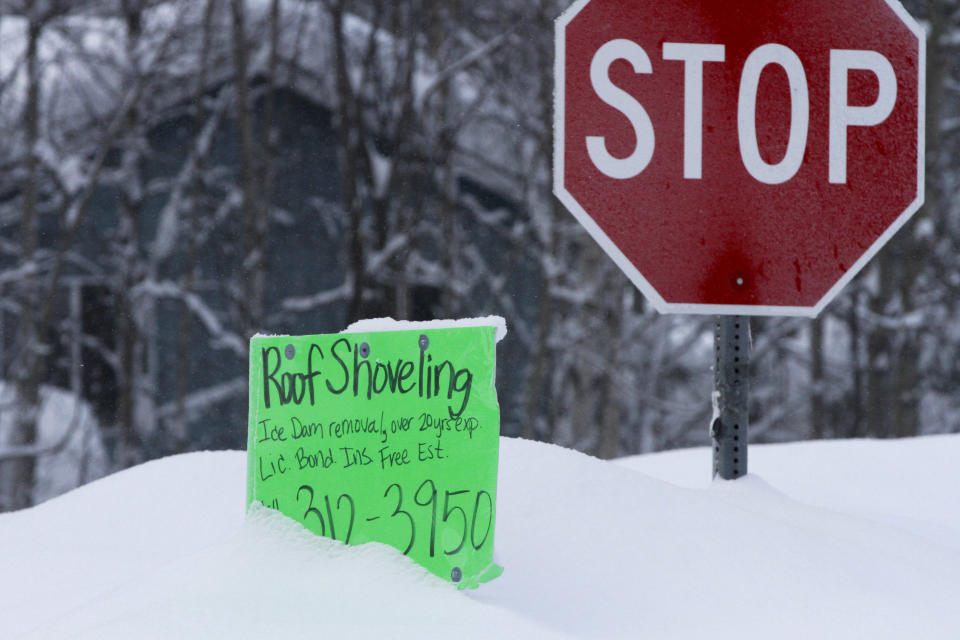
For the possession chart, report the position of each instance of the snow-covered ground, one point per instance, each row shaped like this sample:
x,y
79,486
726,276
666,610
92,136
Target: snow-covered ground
x,y
826,540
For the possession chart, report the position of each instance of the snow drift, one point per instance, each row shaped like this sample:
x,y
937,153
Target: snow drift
x,y
591,549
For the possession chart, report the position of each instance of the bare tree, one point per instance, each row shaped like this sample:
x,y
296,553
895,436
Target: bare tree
x,y
16,475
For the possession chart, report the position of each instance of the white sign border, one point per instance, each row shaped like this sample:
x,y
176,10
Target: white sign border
x,y
611,249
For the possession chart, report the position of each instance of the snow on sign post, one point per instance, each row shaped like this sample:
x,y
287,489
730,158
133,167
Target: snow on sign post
x,y
744,157
386,436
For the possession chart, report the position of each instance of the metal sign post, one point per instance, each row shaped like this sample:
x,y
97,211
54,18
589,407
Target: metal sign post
x,y
660,149
731,375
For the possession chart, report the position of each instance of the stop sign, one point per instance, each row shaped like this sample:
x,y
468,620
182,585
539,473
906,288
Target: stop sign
x,y
744,156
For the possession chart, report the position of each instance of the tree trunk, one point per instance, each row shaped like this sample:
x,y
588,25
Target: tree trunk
x,y
253,269
880,353
856,427
539,383
17,474
348,148
129,330
817,410
180,428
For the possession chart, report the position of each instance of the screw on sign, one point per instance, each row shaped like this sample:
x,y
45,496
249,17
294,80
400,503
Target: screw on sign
x,y
745,157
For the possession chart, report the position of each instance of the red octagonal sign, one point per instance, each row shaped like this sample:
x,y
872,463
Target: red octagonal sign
x,y
744,156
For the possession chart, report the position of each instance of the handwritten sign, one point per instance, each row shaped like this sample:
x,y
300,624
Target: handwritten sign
x,y
390,437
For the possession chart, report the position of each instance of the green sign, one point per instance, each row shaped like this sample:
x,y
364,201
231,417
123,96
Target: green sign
x,y
389,437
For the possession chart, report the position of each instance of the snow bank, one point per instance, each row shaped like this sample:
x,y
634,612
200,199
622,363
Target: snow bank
x,y
164,551
271,578
914,483
591,549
